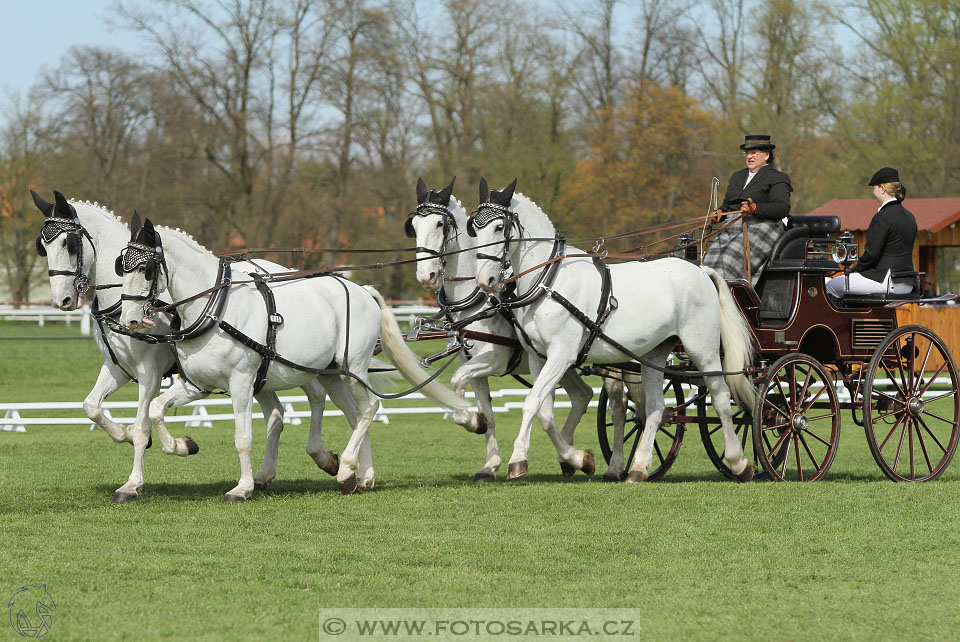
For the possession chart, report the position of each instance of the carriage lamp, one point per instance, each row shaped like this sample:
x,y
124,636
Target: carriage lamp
x,y
846,251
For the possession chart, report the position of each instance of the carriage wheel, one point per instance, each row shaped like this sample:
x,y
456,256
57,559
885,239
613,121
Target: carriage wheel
x,y
665,446
796,422
911,421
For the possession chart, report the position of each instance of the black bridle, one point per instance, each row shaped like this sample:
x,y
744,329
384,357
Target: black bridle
x,y
449,223
151,258
54,227
487,213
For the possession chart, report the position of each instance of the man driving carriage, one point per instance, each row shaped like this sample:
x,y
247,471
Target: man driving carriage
x,y
762,194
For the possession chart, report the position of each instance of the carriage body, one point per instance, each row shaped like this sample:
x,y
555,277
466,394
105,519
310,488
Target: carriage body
x,y
816,356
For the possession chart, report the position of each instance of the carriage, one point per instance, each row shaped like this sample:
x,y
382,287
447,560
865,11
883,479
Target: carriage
x,y
817,356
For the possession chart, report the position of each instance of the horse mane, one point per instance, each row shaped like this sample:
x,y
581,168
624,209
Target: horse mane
x,y
176,232
100,210
523,206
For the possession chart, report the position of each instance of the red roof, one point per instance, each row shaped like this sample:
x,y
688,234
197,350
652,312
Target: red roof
x,y
932,214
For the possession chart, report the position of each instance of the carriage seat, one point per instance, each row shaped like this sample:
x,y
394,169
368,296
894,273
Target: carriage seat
x,y
787,258
868,300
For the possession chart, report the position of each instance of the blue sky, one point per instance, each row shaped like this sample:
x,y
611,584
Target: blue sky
x,y
37,33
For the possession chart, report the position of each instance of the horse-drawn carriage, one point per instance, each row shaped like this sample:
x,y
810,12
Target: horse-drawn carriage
x,y
817,355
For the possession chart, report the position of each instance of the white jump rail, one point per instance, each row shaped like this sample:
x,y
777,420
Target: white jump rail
x,y
200,415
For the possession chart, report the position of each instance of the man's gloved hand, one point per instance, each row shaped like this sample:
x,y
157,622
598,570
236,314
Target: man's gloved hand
x,y
715,216
748,207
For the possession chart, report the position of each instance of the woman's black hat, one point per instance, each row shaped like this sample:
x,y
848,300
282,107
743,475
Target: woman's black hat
x,y
885,175
757,141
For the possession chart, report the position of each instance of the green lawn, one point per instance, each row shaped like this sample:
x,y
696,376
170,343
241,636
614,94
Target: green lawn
x,y
695,556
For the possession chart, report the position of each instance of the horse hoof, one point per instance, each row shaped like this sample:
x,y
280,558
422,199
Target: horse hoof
x,y
333,465
484,476
349,485
636,476
231,499
192,447
567,469
588,467
122,497
481,424
260,485
747,473
607,477
517,469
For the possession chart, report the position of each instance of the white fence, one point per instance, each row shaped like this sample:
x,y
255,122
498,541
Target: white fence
x,y
42,314
205,411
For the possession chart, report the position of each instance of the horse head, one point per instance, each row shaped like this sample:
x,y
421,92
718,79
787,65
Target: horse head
x,y
432,225
493,223
141,265
62,241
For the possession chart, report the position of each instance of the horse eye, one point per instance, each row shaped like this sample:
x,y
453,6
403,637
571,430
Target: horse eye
x,y
499,227
439,223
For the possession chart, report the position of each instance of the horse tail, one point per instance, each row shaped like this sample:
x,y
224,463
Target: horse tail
x,y
406,361
737,342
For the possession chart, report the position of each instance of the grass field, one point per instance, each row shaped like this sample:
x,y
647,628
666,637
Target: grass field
x,y
695,556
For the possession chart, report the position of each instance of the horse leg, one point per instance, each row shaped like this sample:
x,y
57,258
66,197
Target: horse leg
x,y
545,381
327,460
350,461
488,473
273,416
139,433
485,364
241,394
108,382
580,394
654,406
179,394
733,450
617,403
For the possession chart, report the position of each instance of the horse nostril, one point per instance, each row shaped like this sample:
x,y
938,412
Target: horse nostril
x,y
433,276
66,302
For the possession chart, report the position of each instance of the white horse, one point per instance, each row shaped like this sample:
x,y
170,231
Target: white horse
x,y
81,241
446,255
658,302
326,324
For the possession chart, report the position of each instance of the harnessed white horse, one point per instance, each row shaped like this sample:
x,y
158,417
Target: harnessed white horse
x,y
317,322
72,233
658,302
446,255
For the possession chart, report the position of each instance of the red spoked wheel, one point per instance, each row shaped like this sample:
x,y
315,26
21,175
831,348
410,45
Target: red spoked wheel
x,y
666,445
912,405
796,420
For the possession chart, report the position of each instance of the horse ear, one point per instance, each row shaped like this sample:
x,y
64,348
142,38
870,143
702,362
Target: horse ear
x,y
447,192
507,192
484,189
63,207
42,205
135,225
422,191
150,236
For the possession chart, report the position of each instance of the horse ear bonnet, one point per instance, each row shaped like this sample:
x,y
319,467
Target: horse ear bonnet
x,y
422,191
42,205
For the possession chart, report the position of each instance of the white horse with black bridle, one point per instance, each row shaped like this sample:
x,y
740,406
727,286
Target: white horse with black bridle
x,y
446,256
80,241
268,334
567,319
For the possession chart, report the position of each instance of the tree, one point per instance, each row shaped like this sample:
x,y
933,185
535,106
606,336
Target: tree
x,y
21,158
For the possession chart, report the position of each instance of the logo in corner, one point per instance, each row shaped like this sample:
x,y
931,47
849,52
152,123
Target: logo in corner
x,y
31,611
